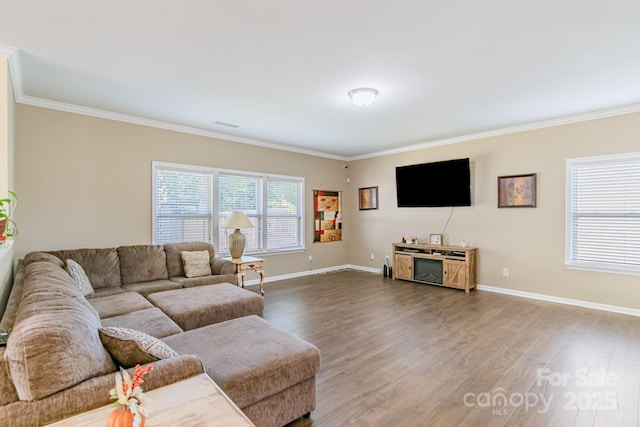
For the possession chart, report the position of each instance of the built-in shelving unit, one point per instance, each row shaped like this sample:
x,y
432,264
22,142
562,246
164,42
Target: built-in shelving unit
x,y
450,266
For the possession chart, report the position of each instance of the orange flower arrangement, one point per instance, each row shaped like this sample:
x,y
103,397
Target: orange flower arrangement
x,y
128,393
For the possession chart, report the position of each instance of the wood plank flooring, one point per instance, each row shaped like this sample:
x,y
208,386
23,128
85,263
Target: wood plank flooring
x,y
397,353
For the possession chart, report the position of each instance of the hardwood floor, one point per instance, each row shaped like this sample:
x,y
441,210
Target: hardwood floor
x,y
397,353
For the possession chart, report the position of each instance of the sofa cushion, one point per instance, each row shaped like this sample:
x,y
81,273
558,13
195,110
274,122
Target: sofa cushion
x,y
101,265
190,282
175,266
129,347
120,303
42,256
151,321
249,358
7,390
78,275
199,306
103,292
55,343
142,263
196,263
146,288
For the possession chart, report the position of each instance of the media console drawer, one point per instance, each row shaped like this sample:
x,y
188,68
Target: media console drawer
x,y
450,266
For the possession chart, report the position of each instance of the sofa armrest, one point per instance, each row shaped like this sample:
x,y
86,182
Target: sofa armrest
x,y
9,316
222,266
94,393
169,371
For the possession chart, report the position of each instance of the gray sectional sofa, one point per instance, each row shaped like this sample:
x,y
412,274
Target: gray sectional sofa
x,y
57,364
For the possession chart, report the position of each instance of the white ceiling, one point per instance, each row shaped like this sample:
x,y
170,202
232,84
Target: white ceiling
x,y
281,69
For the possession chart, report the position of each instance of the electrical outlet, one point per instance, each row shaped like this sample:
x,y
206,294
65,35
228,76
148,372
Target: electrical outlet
x,y
310,258
372,257
386,258
505,272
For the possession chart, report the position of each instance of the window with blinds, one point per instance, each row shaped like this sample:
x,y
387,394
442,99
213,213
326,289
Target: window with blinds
x,y
183,205
191,204
603,213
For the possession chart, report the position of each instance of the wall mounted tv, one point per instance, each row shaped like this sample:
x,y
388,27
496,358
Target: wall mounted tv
x,y
446,183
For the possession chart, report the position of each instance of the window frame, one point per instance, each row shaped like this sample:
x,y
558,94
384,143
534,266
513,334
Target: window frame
x,y
215,218
570,262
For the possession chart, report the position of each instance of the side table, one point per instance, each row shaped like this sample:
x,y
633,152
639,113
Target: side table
x,y
246,264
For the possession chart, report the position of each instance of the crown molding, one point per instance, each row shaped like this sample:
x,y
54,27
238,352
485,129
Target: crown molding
x,y
584,117
109,115
13,56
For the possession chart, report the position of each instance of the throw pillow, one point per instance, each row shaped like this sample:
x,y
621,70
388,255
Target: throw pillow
x,y
79,276
129,347
196,263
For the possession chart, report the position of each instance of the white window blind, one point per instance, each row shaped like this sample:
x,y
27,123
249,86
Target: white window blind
x,y
603,213
284,214
183,205
191,204
240,193
274,206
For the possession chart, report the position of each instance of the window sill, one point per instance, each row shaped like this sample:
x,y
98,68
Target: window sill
x,y
630,271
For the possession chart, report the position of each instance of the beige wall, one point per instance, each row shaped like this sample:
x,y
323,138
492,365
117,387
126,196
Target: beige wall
x,y
86,182
7,106
528,241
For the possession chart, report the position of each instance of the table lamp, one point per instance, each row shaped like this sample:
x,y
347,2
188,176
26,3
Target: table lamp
x,y
237,220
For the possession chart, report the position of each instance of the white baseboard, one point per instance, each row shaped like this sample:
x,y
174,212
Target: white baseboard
x,y
559,300
522,294
312,272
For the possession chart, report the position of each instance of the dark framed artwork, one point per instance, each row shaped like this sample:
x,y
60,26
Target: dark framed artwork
x,y
368,198
517,191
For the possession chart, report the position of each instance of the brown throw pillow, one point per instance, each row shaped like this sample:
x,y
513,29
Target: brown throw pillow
x,y
196,263
129,347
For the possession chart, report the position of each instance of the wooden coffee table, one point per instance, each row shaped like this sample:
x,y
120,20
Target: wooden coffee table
x,y
194,401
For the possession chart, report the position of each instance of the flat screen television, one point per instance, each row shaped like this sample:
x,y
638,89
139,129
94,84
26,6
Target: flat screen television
x,y
446,183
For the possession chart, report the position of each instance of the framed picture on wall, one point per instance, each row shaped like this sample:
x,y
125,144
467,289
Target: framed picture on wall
x,y
368,198
517,191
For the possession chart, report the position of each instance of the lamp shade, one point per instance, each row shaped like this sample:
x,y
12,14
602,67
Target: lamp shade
x,y
237,220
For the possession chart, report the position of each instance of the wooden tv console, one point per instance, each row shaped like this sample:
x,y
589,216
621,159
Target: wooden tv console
x,y
450,266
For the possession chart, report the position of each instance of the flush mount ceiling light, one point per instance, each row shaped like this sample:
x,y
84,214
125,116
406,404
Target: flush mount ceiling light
x,y
363,96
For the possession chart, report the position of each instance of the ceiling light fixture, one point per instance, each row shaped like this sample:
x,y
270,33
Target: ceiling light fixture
x,y
363,96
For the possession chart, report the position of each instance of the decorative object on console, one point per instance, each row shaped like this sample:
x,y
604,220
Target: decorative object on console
x,y
435,239
517,191
129,398
368,198
327,216
236,221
